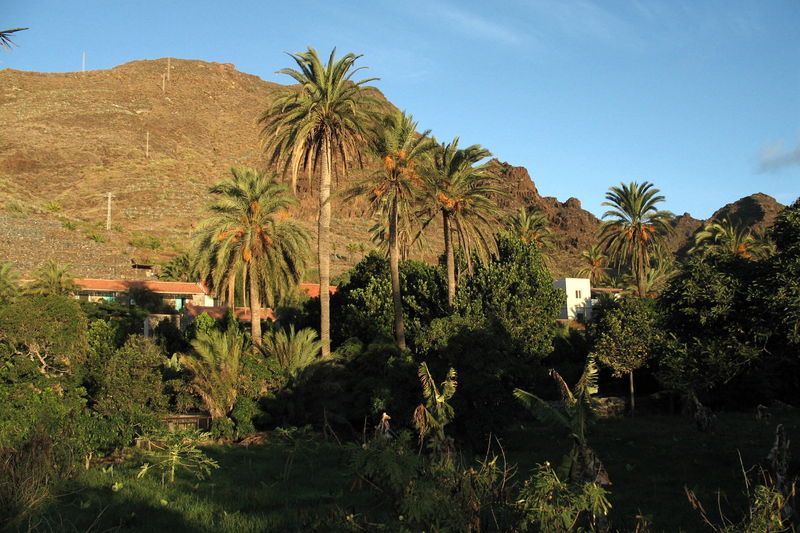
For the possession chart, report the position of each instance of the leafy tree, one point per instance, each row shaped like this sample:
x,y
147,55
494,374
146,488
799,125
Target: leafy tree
x,y
625,336
247,228
216,364
461,190
52,278
101,345
515,293
365,300
130,391
595,265
711,323
48,330
392,189
636,228
531,226
9,282
322,121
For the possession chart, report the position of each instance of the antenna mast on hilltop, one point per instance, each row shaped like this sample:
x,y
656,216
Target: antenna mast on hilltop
x,y
83,63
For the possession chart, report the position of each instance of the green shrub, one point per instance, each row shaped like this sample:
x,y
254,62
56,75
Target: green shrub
x,y
96,237
146,241
52,206
69,225
173,451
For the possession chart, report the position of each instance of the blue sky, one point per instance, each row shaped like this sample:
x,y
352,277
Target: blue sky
x,y
700,97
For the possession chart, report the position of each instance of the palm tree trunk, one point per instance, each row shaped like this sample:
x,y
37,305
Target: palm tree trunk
x,y
231,292
324,244
640,273
255,305
633,401
450,261
394,268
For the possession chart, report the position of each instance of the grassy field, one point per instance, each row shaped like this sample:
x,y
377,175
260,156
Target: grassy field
x,y
305,484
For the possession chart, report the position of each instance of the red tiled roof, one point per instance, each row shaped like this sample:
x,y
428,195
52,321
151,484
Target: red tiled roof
x,y
170,287
242,313
312,289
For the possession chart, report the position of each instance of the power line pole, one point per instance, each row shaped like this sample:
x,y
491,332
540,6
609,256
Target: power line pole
x,y
83,64
108,212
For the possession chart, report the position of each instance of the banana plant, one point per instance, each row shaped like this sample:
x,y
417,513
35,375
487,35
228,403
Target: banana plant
x,y
574,416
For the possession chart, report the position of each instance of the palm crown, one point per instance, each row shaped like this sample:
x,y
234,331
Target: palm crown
x,y
636,227
247,230
461,190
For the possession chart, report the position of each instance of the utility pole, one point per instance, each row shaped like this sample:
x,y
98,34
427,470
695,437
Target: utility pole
x,y
108,212
163,83
83,64
169,67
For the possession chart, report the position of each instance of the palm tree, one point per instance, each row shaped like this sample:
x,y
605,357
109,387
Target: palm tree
x,y
52,278
216,367
392,189
531,226
461,190
5,39
247,231
325,118
294,351
636,227
727,237
9,282
594,261
662,269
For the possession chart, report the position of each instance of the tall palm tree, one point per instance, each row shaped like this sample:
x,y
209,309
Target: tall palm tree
x,y
9,282
323,120
461,190
727,237
215,363
595,265
52,278
247,229
532,226
636,228
392,189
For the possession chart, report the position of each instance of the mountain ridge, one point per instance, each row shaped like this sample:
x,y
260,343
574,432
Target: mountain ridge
x,y
156,133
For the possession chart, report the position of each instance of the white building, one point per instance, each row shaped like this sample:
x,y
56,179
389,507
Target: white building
x,y
579,298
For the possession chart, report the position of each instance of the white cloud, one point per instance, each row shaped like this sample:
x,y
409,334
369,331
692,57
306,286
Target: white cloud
x,y
476,25
776,156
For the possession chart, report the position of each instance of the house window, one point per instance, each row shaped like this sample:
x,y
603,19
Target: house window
x,y
577,294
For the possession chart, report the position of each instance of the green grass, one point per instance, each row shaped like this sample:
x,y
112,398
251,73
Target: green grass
x,y
276,487
306,485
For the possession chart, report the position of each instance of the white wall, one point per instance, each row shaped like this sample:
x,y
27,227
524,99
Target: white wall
x,y
579,298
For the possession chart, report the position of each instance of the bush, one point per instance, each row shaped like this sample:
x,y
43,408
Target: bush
x,y
50,330
514,294
146,241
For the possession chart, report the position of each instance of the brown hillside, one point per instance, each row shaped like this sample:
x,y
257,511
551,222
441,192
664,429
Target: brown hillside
x,y
157,144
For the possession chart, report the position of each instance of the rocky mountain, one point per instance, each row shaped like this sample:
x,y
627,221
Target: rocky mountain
x,y
155,134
